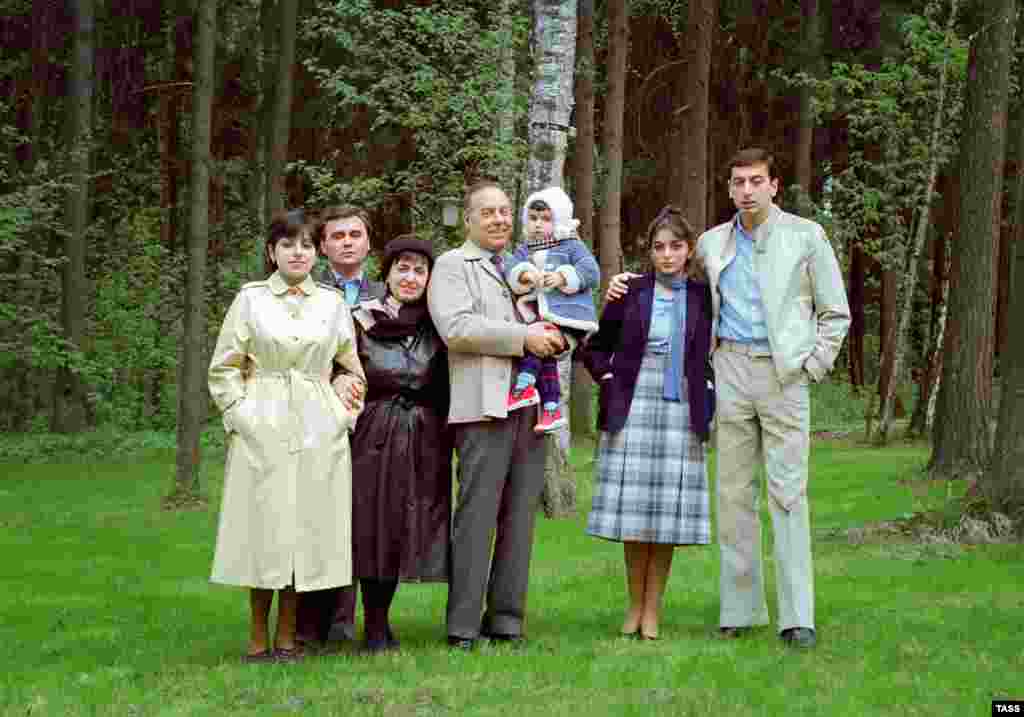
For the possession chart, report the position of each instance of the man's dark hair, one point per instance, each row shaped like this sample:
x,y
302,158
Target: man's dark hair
x,y
341,212
539,205
474,189
749,157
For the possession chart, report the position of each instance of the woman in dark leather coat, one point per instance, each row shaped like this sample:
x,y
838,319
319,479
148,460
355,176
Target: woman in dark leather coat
x,y
401,448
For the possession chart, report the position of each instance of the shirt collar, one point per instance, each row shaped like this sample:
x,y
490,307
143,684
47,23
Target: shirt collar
x,y
339,280
279,286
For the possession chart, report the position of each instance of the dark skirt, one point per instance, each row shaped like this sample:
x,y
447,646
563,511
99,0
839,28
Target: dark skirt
x,y
401,492
651,484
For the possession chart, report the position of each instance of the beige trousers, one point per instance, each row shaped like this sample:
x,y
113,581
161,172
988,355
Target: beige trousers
x,y
760,422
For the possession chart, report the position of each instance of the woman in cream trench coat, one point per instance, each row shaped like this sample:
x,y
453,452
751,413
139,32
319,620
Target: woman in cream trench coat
x,y
285,520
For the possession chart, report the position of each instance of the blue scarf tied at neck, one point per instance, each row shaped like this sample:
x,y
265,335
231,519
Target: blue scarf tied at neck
x,y
674,370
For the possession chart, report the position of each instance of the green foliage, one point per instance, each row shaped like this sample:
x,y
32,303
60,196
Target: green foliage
x,y
425,78
890,112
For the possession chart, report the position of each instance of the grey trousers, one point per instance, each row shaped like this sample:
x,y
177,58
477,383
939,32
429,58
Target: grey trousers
x,y
501,477
762,423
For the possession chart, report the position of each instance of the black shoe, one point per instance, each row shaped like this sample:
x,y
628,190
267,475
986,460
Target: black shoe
x,y
461,643
378,647
342,632
802,637
731,633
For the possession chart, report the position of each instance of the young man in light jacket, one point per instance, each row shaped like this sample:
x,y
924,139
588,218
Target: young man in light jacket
x,y
780,314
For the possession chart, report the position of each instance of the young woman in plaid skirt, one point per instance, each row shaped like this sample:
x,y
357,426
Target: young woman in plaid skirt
x,y
650,358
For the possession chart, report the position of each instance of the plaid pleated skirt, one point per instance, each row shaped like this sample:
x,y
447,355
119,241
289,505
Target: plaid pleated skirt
x,y
652,484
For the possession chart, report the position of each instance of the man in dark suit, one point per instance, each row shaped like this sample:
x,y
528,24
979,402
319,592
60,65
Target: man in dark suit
x,y
343,236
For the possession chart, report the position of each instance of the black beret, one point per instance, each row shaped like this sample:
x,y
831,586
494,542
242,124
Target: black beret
x,y
404,243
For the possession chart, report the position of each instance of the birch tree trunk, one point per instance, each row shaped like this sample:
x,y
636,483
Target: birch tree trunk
x,y
554,33
282,107
69,397
962,447
910,272
191,390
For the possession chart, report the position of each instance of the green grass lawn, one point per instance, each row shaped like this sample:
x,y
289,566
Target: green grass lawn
x,y
107,610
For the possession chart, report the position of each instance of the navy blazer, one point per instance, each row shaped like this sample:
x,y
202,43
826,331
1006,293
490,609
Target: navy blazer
x,y
618,348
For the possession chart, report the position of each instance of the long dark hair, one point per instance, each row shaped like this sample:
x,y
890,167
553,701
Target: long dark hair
x,y
671,217
283,225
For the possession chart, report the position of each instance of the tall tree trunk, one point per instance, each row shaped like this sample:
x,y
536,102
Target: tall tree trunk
x,y
933,350
259,60
554,33
282,105
505,122
811,30
690,156
886,328
582,384
1003,484
855,294
963,447
615,104
191,394
911,270
69,398
554,36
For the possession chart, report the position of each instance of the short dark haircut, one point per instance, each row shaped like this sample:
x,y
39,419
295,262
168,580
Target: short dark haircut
x,y
283,225
346,211
539,205
749,157
671,217
474,189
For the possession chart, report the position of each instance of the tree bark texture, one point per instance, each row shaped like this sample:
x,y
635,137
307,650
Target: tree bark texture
x,y
69,399
554,40
505,123
281,119
1003,484
962,447
910,274
582,385
886,328
855,296
689,186
191,391
938,291
615,103
811,31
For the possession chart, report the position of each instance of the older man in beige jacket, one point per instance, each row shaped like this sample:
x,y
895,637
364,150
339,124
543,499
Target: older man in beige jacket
x,y
501,459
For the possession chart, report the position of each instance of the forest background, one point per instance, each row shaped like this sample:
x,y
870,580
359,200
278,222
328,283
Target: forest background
x,y
145,143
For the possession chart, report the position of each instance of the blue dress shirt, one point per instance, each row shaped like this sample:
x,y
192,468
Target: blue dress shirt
x,y
741,317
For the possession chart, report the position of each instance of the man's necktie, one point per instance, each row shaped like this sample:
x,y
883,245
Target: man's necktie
x,y
499,264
